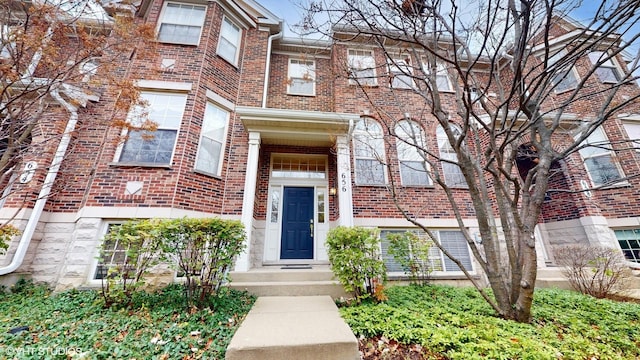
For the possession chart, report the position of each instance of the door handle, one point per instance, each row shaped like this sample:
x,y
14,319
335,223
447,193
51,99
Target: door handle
x,y
311,226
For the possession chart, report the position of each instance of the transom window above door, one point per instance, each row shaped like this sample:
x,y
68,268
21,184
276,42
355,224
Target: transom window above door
x,y
298,166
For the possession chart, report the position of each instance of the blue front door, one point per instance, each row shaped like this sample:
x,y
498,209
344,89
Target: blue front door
x,y
297,223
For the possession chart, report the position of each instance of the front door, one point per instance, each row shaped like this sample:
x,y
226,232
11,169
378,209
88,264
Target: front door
x,y
297,223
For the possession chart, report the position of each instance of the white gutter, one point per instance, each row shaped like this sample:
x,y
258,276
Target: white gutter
x,y
268,65
49,180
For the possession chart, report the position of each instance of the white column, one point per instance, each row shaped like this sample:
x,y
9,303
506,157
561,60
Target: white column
x,y
251,177
345,194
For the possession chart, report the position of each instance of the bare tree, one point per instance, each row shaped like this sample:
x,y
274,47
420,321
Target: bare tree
x,y
57,56
517,114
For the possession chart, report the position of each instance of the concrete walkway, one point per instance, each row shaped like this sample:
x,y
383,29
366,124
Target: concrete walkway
x,y
293,327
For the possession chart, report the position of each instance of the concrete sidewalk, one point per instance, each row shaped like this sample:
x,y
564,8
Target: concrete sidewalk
x,y
293,327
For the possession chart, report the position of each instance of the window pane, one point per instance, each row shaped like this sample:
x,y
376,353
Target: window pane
x,y
602,169
369,172
455,243
414,173
629,241
181,23
633,133
149,147
362,67
229,41
212,137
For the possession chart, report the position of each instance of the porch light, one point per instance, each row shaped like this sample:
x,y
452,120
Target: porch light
x,y
333,191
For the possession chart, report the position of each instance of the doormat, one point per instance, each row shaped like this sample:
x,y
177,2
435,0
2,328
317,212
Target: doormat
x,y
297,267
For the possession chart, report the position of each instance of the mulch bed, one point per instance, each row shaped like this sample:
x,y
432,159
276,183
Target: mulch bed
x,y
379,348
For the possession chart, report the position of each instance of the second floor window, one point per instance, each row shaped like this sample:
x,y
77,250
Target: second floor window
x,y
633,133
229,42
212,140
448,158
564,77
607,71
181,23
154,147
368,149
599,160
302,75
410,140
362,68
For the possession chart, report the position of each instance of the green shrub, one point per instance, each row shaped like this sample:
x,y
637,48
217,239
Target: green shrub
x,y
412,253
7,231
139,239
203,251
354,254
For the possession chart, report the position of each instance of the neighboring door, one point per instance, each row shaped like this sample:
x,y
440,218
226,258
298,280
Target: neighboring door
x,y
297,223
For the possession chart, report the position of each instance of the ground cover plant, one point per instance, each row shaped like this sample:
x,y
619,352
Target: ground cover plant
x,y
438,322
76,325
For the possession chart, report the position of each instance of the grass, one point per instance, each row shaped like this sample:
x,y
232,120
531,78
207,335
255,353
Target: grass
x,y
455,323
75,325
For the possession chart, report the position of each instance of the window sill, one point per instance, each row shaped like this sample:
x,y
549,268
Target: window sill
x,y
560,92
147,165
177,43
205,173
440,276
303,95
618,185
234,64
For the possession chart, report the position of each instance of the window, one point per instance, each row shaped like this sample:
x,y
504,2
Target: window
x,y
229,42
607,72
298,166
599,161
362,68
114,254
368,149
154,147
564,77
181,23
401,74
302,76
413,167
443,82
451,171
629,241
7,43
452,240
212,140
633,133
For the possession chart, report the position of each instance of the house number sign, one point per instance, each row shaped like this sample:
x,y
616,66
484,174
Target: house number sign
x,y
343,182
29,169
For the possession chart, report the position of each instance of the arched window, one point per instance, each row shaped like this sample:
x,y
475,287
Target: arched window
x,y
452,173
410,141
368,150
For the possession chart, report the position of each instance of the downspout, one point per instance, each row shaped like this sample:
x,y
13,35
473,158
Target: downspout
x,y
268,65
49,180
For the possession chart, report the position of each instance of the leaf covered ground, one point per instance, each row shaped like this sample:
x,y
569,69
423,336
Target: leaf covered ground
x,y
35,324
436,322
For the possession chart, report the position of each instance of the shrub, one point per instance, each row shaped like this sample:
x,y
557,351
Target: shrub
x,y
203,251
412,253
139,240
354,254
593,270
7,231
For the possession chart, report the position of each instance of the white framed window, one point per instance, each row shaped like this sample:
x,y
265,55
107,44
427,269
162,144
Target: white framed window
x,y
633,133
564,77
369,154
362,67
7,42
600,162
607,72
413,167
302,77
113,254
229,42
181,23
629,240
154,147
451,171
452,240
401,74
443,81
212,140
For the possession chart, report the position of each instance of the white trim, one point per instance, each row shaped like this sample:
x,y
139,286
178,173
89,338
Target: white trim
x,y
222,102
167,86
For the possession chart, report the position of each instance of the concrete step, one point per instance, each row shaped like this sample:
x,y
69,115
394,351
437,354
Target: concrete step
x,y
292,288
299,327
288,281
